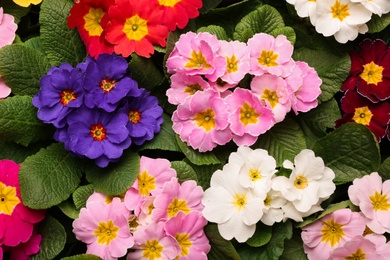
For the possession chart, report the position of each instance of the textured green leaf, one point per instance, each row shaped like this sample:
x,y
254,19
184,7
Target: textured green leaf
x,y
19,123
286,31
61,43
69,209
216,30
13,9
377,24
116,177
195,156
209,4
145,72
21,68
16,152
204,173
53,239
261,236
49,177
184,171
384,169
81,194
351,151
35,43
283,141
293,248
220,247
82,257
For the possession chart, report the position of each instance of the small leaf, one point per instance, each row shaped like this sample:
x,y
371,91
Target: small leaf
x,y
204,173
117,177
82,257
286,31
18,153
216,30
220,247
209,4
377,24
69,209
261,236
145,72
384,169
197,157
49,177
184,171
81,195
293,248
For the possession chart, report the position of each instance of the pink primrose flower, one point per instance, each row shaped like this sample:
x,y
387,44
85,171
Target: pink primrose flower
x,y
373,198
7,28
23,251
4,89
248,117
202,121
381,244
145,216
358,247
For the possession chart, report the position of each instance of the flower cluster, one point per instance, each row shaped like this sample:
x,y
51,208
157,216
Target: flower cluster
x,y
344,19
97,108
127,26
248,190
214,109
344,234
156,218
367,88
18,223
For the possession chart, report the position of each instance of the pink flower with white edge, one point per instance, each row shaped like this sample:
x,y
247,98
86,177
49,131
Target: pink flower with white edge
x,y
7,28
270,55
358,247
202,121
304,87
187,229
321,237
104,228
177,197
373,198
183,86
273,91
152,176
248,116
196,54
4,89
152,242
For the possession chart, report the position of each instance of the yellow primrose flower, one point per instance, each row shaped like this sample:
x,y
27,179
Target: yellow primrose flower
x,y
26,3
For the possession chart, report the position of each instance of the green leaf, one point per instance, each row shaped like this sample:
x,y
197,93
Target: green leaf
x,y
184,171
351,151
216,30
69,209
81,194
164,140
16,152
220,247
145,72
117,177
49,177
264,19
377,24
286,31
204,173
53,239
21,68
82,257
19,122
209,4
293,248
195,156
35,43
283,141
61,43
13,9
261,236
384,169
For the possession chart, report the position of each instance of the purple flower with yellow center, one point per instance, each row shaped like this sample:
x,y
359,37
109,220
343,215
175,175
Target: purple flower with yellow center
x,y
107,82
60,94
98,135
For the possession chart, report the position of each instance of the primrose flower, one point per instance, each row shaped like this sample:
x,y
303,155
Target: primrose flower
x,y
202,122
273,211
4,89
24,251
341,18
7,28
305,8
135,26
248,116
187,229
270,55
104,228
16,220
26,3
378,7
373,198
332,231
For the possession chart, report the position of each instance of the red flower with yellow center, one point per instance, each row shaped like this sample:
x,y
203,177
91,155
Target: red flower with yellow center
x,y
135,26
90,19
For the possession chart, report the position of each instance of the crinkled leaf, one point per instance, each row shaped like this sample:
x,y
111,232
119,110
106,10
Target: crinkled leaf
x,y
351,151
81,194
49,177
204,173
195,156
293,248
35,43
384,169
377,24
19,122
184,171
261,236
209,4
16,152
220,247
216,30
69,209
61,43
286,31
116,177
82,257
13,9
53,239
283,141
21,68
145,72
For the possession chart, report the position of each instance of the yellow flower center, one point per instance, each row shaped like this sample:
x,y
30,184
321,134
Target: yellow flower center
x,y
177,205
106,232
192,89
362,115
332,232
98,132
92,21
109,198
312,1
271,97
340,11
372,73
135,116
248,114
152,249
8,199
184,242
133,223
66,96
254,174
170,3
135,28
380,201
205,119
240,201
231,64
107,85
358,255
197,61
268,58
146,183
301,182
267,201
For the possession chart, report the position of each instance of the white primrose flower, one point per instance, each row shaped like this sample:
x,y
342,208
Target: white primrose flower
x,y
273,211
378,7
305,8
